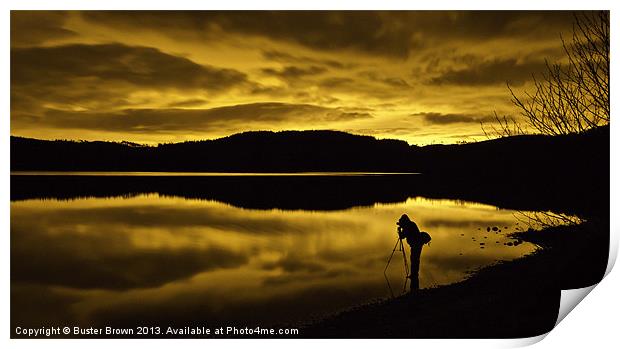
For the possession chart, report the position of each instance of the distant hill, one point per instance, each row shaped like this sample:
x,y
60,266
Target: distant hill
x,y
316,151
565,156
570,173
286,151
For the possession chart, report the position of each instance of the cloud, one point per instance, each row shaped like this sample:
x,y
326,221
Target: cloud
x,y
387,80
193,102
136,65
475,223
142,217
293,72
391,131
138,61
393,34
241,305
494,72
36,27
445,119
99,260
336,82
280,56
289,278
106,77
144,245
32,302
372,32
292,264
174,119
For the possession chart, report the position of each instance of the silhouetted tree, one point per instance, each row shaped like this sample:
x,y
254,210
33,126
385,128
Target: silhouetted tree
x,y
572,97
505,126
569,98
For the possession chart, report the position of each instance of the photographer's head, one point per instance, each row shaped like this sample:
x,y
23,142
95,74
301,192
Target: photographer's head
x,y
403,220
404,224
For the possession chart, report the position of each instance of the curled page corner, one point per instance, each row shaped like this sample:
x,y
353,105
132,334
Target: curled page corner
x,y
613,250
569,300
524,342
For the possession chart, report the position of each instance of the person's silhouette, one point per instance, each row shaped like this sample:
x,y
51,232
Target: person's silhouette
x,y
416,239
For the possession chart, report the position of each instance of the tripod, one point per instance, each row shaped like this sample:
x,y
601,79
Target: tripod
x,y
397,247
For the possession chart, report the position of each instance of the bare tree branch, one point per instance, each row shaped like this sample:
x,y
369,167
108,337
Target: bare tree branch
x,y
571,97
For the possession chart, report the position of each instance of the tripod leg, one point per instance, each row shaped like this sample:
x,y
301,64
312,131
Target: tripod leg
x,y
407,274
392,255
387,265
407,271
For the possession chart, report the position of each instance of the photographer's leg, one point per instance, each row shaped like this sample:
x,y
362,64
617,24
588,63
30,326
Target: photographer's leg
x,y
416,250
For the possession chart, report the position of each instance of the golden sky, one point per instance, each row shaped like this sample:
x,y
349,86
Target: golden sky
x,y
150,77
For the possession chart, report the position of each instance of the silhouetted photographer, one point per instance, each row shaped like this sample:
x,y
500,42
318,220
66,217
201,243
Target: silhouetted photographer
x,y
408,230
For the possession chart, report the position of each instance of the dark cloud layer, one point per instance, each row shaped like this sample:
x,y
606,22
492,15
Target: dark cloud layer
x,y
95,247
193,102
291,264
391,81
472,223
174,218
365,31
446,119
491,73
140,66
36,27
293,72
101,261
279,56
32,302
173,119
336,82
393,33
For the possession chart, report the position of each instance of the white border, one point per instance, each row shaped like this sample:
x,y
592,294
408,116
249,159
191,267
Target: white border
x,y
595,321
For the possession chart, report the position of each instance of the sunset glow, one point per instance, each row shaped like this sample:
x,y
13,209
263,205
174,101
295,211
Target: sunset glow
x,y
151,77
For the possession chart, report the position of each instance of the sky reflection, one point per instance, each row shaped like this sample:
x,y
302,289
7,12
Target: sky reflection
x,y
154,259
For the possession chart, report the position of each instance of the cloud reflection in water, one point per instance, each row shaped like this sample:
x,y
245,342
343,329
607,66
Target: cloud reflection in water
x,y
152,259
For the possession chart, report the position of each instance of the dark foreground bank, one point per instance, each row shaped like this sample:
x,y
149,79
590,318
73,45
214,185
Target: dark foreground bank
x,y
506,300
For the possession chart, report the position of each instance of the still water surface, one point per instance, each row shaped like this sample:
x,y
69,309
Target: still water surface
x,y
153,259
204,174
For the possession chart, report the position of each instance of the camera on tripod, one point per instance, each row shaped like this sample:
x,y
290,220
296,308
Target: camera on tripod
x,y
401,229
402,232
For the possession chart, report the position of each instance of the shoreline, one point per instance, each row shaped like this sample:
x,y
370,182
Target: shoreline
x,y
513,299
